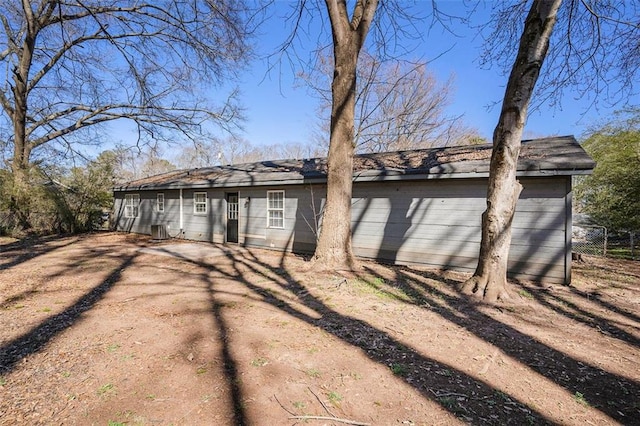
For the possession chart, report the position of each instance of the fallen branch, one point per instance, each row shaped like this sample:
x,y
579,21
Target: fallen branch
x,y
333,419
321,403
283,407
447,394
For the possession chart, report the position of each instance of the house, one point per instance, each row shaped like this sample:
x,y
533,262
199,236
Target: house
x,y
421,206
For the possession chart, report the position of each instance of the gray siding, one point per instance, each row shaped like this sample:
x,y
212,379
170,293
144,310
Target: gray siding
x,y
438,223
148,214
207,226
434,222
297,234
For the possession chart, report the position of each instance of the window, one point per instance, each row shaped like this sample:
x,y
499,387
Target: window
x,y
275,209
200,203
160,203
131,205
232,207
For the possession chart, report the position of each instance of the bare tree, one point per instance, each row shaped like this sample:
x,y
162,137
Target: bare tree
x,y
404,107
68,67
593,51
242,151
585,48
126,163
399,105
349,33
350,27
213,152
201,153
238,150
504,189
297,150
154,165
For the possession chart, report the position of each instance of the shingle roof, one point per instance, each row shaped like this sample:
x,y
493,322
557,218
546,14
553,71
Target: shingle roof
x,y
538,157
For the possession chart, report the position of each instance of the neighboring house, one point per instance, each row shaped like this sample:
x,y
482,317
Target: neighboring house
x,y
421,206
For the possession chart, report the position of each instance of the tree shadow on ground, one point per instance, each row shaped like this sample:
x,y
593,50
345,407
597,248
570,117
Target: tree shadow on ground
x,y
564,306
456,391
33,341
614,395
467,397
21,251
228,362
606,272
633,275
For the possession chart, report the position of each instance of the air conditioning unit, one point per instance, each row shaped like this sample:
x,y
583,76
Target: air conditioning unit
x,y
159,232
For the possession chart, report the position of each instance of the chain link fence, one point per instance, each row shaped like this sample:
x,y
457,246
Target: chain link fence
x,y
589,240
624,245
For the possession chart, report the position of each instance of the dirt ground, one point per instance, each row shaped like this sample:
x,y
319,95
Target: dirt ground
x,y
110,329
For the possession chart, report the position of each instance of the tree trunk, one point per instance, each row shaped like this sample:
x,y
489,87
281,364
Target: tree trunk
x,y
489,280
19,205
21,189
334,243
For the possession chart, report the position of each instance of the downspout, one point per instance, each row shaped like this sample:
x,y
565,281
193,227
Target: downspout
x,y
181,220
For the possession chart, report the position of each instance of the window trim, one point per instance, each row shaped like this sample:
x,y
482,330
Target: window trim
x,y
131,206
159,203
275,209
196,203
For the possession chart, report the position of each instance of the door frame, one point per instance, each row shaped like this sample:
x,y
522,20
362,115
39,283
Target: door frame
x,y
231,224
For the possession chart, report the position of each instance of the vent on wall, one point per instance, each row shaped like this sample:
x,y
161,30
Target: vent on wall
x,y
159,232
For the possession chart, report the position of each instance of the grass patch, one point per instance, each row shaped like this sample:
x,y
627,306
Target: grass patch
x,y
377,287
3,381
113,347
524,293
312,372
622,253
501,395
356,376
259,362
399,370
580,399
448,402
452,404
106,389
444,372
334,398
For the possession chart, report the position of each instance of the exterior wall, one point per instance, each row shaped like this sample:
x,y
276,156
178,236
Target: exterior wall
x,y
207,226
438,223
298,231
434,222
148,214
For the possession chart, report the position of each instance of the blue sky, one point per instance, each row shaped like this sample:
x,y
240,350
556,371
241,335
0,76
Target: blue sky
x,y
280,109
278,112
